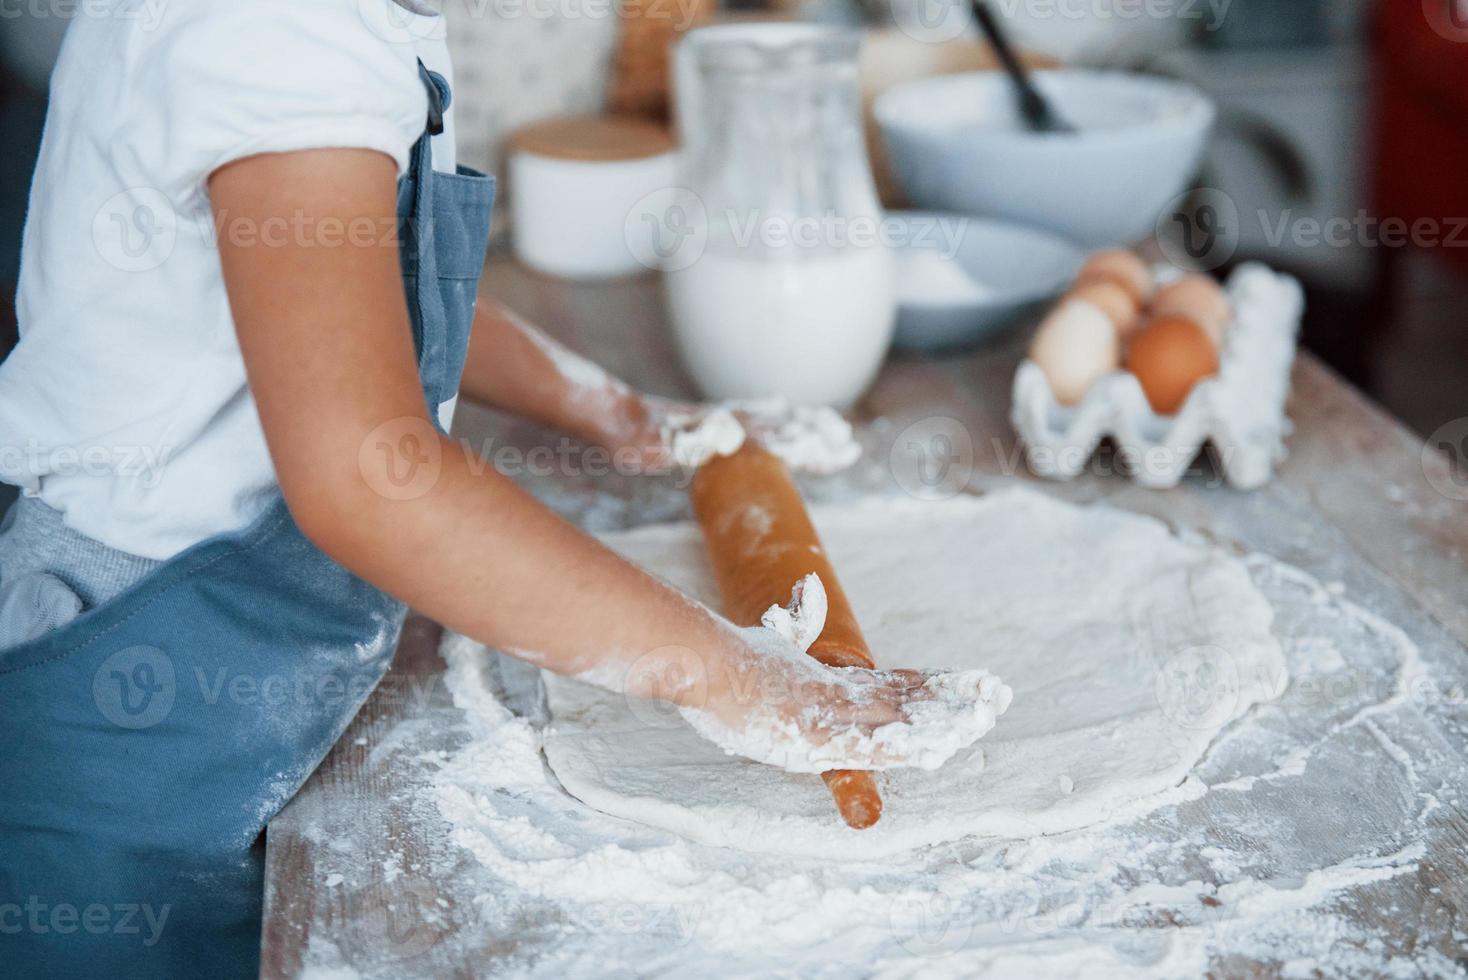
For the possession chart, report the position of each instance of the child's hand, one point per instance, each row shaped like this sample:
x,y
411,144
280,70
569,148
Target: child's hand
x,y
779,706
790,711
652,430
514,366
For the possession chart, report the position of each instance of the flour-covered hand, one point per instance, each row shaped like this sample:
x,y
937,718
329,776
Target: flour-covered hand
x,y
785,709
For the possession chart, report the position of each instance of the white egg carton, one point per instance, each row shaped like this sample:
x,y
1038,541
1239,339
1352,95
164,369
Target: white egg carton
x,y
1241,411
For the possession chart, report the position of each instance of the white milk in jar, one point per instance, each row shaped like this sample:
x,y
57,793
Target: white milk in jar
x,y
784,286
813,327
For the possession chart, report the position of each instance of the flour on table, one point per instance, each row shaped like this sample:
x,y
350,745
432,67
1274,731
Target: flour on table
x,y
1127,649
1259,859
807,438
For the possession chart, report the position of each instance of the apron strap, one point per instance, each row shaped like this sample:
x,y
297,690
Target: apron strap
x,y
438,98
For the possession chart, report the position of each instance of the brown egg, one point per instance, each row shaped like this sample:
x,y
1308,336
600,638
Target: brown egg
x,y
1121,267
1113,300
1169,356
1198,298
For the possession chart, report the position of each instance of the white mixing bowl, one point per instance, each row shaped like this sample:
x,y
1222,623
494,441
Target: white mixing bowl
x,y
1003,271
957,143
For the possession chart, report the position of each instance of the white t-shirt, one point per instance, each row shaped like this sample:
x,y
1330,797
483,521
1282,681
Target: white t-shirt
x,y
125,406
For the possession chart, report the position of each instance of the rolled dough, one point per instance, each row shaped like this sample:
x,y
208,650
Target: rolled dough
x,y
1128,649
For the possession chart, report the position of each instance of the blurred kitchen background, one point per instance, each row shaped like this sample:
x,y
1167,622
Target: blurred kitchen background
x,y
1327,110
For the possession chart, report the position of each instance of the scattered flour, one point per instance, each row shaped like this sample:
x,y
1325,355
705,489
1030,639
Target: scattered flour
x,y
808,438
693,438
1275,878
324,961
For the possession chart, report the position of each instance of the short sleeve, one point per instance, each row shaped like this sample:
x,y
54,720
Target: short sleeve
x,y
230,80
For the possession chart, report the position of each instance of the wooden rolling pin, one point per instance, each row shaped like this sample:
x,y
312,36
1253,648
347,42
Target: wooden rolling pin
x,y
761,542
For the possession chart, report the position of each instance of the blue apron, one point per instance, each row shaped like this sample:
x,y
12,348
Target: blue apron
x,y
145,745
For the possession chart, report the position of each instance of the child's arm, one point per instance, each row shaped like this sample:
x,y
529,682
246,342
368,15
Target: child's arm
x,y
324,331
514,366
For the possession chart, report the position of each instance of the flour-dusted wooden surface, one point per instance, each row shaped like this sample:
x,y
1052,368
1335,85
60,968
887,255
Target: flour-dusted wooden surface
x,y
1357,503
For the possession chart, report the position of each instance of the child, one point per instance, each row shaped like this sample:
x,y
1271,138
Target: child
x,y
247,290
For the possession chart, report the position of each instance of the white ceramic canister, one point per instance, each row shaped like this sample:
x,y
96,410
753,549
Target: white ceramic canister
x,y
574,185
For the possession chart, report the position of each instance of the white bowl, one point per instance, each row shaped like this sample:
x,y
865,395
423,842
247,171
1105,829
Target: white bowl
x,y
961,278
956,143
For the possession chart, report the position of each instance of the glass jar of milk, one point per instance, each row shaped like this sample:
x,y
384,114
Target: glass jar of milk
x,y
783,284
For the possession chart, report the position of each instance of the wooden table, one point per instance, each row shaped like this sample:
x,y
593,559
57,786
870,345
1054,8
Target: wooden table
x,y
1357,502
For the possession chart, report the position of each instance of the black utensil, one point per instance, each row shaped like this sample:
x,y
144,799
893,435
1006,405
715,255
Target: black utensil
x,y
1033,106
